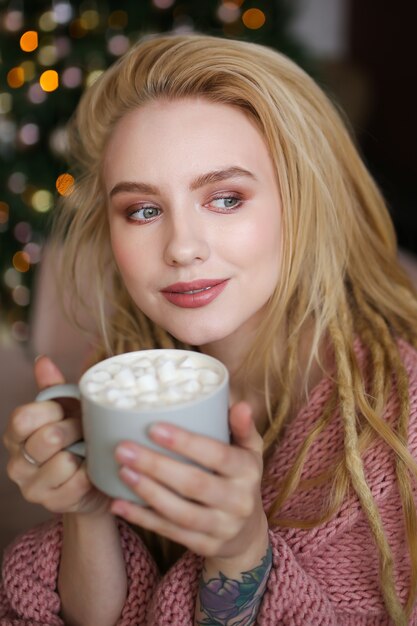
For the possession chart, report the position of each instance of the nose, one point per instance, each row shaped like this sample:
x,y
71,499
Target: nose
x,y
186,241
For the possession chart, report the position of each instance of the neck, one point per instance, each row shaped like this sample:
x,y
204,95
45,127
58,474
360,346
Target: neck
x,y
232,353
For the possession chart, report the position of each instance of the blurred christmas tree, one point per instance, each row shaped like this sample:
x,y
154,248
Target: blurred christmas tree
x,y
50,51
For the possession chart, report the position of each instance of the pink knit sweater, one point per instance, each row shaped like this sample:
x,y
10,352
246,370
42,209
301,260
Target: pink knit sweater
x,y
324,576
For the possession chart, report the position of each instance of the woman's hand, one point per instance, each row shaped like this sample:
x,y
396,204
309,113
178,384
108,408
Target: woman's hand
x,y
49,475
216,514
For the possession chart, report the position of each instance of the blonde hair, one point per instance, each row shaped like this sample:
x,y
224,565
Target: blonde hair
x,y
339,271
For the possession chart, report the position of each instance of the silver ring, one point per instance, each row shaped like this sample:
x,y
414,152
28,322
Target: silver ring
x,y
29,458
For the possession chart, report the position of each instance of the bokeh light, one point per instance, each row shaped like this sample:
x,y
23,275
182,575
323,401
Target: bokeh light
x,y
228,12
49,80
29,69
42,201
65,184
118,45
21,261
77,29
47,55
63,47
72,77
17,182
163,4
34,250
62,12
13,20
47,21
15,77
6,102
118,19
23,232
253,18
90,19
12,278
4,212
29,134
58,141
29,41
36,94
21,295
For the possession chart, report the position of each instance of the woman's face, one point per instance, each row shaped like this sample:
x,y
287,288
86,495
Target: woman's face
x,y
195,218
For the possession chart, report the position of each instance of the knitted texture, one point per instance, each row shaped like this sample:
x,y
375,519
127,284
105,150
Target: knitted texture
x,y
326,576
30,570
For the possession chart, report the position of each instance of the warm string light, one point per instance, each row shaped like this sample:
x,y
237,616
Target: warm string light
x,y
64,184
49,80
253,18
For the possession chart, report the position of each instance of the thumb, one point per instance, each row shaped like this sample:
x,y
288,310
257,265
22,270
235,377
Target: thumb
x,y
47,373
244,432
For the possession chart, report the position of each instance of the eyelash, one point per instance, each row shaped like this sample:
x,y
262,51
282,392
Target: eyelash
x,y
225,197
231,196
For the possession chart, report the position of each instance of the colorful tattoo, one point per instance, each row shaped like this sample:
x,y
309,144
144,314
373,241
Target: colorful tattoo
x,y
229,602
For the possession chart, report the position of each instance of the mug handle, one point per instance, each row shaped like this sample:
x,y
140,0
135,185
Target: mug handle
x,y
64,391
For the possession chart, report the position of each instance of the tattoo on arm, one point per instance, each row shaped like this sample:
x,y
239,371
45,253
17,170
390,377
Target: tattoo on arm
x,y
230,602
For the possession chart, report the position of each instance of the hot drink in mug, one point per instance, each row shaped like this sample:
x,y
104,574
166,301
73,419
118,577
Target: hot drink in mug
x,y
121,397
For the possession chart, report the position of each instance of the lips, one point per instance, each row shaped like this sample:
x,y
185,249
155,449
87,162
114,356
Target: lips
x,y
194,294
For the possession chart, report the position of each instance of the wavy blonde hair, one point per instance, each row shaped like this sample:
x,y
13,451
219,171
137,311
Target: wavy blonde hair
x,y
339,275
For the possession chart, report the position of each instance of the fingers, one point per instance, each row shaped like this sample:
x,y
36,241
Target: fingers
x,y
198,542
28,418
191,482
51,438
222,458
172,507
51,475
61,485
244,432
47,373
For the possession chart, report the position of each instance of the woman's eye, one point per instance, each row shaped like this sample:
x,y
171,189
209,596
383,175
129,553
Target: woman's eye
x,y
226,202
145,213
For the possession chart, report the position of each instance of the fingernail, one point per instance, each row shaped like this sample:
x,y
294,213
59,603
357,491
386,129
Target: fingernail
x,y
38,357
129,476
162,433
125,454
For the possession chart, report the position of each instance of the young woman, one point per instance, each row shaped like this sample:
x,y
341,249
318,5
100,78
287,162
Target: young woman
x,y
221,205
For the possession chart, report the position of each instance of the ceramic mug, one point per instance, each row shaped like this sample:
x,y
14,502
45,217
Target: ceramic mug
x,y
106,422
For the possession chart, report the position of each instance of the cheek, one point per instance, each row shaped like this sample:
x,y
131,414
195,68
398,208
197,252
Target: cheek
x,y
130,258
259,242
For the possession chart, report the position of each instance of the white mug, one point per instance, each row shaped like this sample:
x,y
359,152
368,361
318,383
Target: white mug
x,y
106,425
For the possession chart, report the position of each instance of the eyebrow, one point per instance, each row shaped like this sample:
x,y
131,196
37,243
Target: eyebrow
x,y
204,179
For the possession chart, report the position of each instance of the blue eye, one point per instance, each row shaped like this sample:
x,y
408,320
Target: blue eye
x,y
145,213
226,202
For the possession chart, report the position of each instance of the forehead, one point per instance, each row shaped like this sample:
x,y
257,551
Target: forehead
x,y
189,133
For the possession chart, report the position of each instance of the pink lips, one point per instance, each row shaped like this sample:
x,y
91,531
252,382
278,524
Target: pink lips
x,y
194,294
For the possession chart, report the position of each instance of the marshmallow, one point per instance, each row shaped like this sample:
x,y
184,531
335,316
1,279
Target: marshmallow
x,y
143,381
147,382
207,376
125,377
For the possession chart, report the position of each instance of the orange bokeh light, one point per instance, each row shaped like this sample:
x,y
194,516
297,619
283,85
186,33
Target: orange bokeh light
x,y
64,184
253,18
16,77
49,80
4,213
21,261
29,41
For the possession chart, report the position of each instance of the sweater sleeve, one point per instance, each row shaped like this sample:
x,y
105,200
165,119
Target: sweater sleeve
x,y
28,591
291,597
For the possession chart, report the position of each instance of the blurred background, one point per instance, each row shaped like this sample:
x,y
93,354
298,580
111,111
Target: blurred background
x,y
362,52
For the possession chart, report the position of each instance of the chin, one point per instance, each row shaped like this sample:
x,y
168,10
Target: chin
x,y
195,337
